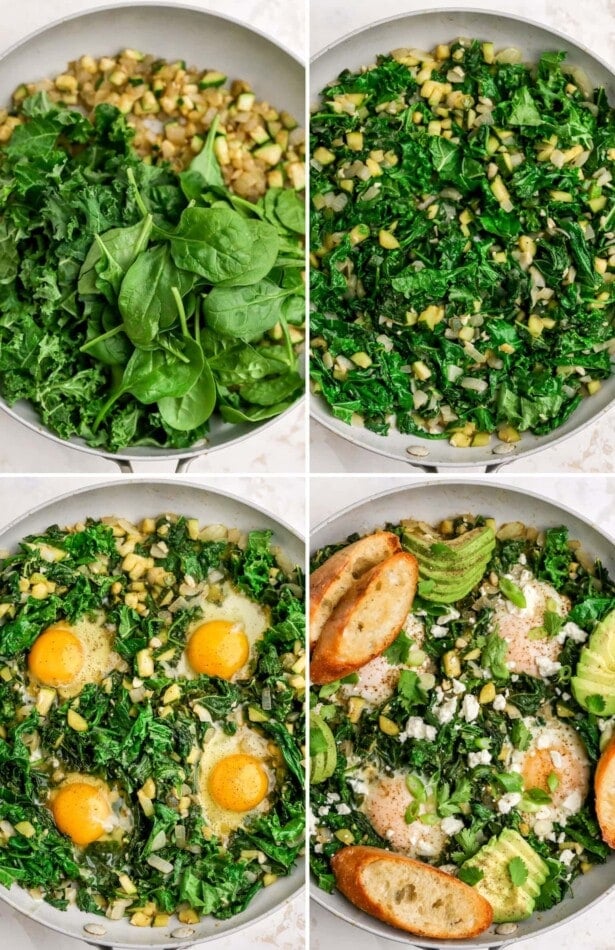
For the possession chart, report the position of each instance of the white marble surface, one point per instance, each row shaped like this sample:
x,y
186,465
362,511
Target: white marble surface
x,y
282,447
592,497
589,22
282,497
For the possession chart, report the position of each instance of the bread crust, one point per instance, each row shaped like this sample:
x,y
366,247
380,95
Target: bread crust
x,y
333,579
473,913
604,787
367,619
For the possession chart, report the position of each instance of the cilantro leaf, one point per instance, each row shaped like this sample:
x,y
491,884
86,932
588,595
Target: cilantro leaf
x,y
517,870
470,875
399,650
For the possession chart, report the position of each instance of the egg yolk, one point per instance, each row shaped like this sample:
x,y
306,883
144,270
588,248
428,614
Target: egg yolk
x,y
537,767
56,657
80,810
218,648
238,782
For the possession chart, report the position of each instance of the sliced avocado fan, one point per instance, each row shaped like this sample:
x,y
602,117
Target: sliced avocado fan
x,y
449,567
510,901
323,754
593,685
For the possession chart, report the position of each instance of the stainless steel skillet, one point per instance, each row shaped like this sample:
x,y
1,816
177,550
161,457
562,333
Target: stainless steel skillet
x,y
423,30
432,502
135,499
175,32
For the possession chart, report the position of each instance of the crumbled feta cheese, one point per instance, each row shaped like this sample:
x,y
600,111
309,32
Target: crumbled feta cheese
x,y
458,687
332,797
446,618
543,828
470,708
479,758
522,559
547,667
543,812
566,857
571,631
417,728
437,632
556,758
573,802
499,703
323,810
544,740
451,826
358,785
343,809
445,712
509,801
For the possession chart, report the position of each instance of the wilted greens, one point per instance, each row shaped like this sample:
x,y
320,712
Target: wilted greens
x,y
142,729
462,238
134,301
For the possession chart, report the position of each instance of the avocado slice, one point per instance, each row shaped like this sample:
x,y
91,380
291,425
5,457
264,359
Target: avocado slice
x,y
444,593
595,673
454,564
583,687
591,660
323,754
509,901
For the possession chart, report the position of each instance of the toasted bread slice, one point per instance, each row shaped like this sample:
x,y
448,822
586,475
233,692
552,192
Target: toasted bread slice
x,y
335,577
410,895
367,619
604,786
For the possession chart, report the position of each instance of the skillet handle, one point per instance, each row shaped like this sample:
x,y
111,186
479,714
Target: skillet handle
x,y
126,467
434,470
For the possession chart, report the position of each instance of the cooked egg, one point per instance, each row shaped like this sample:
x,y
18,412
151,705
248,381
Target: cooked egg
x,y
378,679
555,762
525,654
222,642
67,656
385,806
85,809
236,777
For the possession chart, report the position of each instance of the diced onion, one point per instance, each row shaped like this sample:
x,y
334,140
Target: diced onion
x,y
159,841
155,861
453,373
476,385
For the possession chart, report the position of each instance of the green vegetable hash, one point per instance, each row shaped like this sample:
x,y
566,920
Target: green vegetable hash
x,y
463,243
135,301
471,742
151,724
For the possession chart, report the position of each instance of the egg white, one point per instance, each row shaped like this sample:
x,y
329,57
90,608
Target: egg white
x,y
253,618
514,623
218,745
378,679
385,803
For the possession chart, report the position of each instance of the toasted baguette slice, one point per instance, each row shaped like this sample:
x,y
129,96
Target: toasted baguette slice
x,y
367,619
335,577
604,786
410,895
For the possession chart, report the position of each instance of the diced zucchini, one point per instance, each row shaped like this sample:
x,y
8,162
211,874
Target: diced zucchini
x,y
259,135
211,79
354,141
245,101
288,121
271,153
